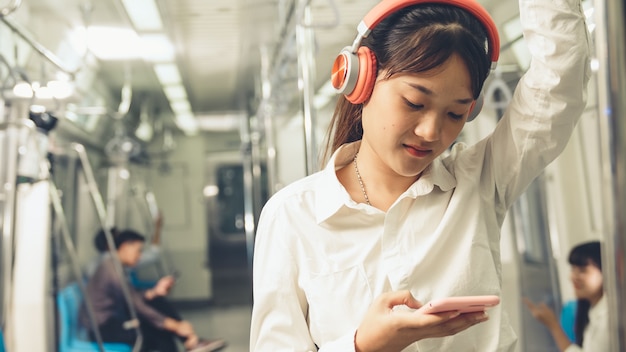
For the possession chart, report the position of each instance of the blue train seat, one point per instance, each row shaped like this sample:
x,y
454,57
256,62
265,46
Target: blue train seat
x,y
1,342
73,337
568,318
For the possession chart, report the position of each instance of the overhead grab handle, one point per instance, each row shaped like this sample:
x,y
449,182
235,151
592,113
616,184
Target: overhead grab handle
x,y
12,6
498,85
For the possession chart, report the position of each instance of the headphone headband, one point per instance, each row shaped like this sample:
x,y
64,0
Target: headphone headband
x,y
386,7
354,69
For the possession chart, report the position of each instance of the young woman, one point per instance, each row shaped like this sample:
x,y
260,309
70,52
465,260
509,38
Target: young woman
x,y
591,326
344,257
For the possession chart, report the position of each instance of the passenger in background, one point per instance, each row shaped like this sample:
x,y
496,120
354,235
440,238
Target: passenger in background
x,y
592,316
152,252
345,257
160,323
151,255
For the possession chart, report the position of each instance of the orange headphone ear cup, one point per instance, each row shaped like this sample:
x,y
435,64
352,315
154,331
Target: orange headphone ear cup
x,y
365,78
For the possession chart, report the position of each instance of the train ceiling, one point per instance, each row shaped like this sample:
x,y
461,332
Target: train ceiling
x,y
217,44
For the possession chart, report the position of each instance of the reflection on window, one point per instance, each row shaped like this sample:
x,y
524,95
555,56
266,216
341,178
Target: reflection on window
x,y
230,197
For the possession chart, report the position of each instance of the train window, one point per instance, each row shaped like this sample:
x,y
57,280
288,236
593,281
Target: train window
x,y
230,198
531,224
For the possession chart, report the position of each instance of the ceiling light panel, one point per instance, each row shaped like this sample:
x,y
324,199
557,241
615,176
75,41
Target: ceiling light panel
x,y
156,48
167,74
112,43
180,107
175,92
144,14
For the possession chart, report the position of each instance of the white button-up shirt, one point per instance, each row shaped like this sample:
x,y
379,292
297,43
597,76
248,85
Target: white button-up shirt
x,y
321,258
596,335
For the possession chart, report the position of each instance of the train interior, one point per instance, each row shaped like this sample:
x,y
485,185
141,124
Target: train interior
x,y
179,119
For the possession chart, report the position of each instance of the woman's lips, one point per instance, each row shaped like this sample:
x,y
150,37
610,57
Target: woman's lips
x,y
419,152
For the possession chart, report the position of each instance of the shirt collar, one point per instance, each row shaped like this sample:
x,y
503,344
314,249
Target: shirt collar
x,y
332,196
330,193
436,174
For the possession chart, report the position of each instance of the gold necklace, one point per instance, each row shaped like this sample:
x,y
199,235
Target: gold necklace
x,y
358,176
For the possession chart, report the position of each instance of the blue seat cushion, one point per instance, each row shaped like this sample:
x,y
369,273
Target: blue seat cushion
x,y
73,337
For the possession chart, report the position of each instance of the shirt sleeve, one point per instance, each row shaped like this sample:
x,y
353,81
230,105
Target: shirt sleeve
x,y
143,310
548,100
279,315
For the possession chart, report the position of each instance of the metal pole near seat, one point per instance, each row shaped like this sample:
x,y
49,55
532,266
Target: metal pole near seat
x,y
611,46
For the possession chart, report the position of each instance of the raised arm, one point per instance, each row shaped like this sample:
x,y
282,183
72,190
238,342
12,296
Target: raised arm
x,y
549,98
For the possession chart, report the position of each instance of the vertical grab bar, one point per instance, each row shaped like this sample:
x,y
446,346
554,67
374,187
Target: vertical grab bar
x,y
8,216
102,216
305,44
71,249
610,46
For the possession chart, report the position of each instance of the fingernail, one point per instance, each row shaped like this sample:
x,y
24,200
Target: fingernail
x,y
482,317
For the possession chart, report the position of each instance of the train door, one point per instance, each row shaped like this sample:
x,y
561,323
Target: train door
x,y
225,194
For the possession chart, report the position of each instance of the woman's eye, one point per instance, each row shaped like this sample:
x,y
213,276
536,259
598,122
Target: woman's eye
x,y
456,116
413,105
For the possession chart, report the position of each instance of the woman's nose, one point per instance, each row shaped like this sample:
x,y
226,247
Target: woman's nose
x,y
429,127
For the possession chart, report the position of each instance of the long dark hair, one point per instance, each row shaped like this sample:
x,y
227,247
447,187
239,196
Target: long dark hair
x,y
588,253
415,39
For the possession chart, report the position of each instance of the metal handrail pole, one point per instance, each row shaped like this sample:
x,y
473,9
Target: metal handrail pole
x,y
10,189
305,45
42,50
71,250
102,216
265,112
610,48
248,187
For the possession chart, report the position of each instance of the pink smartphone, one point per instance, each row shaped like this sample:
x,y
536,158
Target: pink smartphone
x,y
463,304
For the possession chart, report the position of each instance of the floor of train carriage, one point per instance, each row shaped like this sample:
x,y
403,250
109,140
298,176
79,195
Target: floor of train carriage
x,y
228,314
229,322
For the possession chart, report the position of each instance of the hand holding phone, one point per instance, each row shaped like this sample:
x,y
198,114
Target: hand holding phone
x,y
461,304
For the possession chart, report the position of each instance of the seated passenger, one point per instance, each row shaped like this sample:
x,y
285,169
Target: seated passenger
x,y
592,316
100,242
159,322
150,255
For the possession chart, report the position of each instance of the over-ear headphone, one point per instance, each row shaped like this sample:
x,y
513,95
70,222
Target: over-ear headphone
x,y
355,68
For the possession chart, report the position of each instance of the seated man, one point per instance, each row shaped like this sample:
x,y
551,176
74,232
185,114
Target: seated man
x,y
159,322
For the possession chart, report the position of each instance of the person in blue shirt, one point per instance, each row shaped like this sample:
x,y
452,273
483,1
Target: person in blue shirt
x,y
591,325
